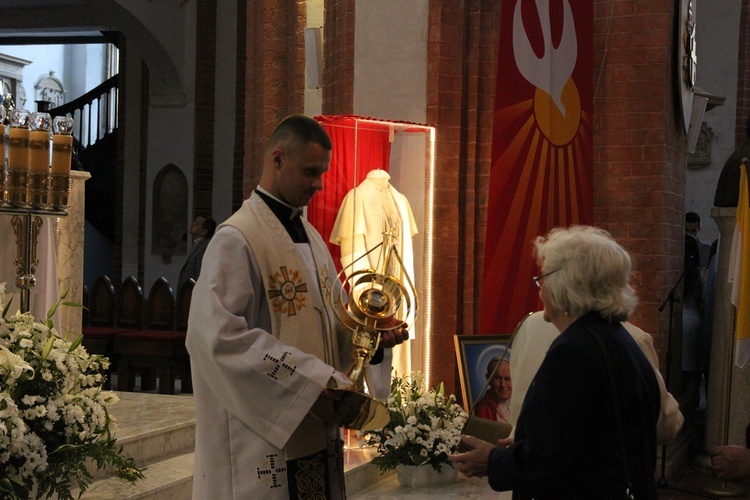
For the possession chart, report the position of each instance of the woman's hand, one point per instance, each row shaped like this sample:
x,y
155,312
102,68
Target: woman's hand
x,y
504,443
473,462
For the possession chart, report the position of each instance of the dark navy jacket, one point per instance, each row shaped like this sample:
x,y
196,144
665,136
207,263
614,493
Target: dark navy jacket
x,y
566,441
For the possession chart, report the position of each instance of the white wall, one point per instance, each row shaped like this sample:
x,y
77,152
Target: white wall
x,y
390,59
225,112
315,19
131,161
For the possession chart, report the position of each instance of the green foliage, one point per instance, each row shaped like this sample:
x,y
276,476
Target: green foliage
x,y
55,424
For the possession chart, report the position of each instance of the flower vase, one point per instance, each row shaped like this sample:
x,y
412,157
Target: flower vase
x,y
413,476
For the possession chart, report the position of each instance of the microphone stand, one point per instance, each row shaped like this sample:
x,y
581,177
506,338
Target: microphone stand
x,y
670,300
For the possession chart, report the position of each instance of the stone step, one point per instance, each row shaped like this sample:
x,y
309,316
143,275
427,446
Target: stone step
x,y
151,427
171,479
168,479
158,432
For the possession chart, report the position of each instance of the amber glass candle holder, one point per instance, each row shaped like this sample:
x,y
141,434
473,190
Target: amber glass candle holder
x,y
40,126
17,181
59,191
62,152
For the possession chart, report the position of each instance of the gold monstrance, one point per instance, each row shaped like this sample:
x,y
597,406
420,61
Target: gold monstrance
x,y
377,301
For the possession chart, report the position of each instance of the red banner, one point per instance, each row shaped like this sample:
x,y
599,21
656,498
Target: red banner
x,y
542,157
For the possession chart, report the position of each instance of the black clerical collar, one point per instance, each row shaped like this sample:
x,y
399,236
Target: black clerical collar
x,y
288,216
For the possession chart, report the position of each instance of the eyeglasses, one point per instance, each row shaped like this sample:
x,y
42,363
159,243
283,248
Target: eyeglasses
x,y
538,280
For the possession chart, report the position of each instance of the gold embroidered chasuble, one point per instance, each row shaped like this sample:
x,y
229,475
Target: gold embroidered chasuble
x,y
254,391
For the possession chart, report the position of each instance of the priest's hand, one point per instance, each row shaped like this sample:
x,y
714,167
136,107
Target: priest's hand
x,y
473,462
324,407
394,334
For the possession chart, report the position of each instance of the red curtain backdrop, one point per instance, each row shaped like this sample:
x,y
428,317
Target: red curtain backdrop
x,y
542,155
359,146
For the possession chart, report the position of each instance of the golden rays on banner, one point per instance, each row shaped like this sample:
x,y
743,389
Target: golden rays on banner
x,y
541,174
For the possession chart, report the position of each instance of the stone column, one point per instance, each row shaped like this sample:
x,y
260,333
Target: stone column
x,y
69,251
728,407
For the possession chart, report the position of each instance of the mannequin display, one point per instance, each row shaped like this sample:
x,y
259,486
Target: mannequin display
x,y
367,212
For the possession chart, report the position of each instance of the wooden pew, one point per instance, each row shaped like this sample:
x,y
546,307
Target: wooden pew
x,y
158,347
100,330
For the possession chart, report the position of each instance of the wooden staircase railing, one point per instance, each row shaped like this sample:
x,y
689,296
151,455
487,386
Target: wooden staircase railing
x,y
95,113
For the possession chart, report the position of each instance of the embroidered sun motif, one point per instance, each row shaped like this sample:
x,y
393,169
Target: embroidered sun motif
x,y
287,291
272,471
280,366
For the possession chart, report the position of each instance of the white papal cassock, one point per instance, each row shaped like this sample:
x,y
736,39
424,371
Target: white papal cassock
x,y
369,210
263,345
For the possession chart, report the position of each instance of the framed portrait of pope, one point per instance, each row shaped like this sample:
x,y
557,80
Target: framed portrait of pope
x,y
480,359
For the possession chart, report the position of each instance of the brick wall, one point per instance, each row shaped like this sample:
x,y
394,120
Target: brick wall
x,y
338,71
639,147
462,63
274,78
743,75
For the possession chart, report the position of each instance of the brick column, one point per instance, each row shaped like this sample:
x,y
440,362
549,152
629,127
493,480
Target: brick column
x,y
275,76
462,63
639,149
743,74
338,73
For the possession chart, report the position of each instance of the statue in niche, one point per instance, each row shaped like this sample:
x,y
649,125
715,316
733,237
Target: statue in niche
x,y
49,88
170,214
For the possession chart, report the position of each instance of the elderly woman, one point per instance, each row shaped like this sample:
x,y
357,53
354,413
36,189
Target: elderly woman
x,y
587,428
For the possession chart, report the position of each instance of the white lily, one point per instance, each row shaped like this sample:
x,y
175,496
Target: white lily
x,y
13,363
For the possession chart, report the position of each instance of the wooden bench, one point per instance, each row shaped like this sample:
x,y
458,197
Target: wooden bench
x,y
100,330
158,347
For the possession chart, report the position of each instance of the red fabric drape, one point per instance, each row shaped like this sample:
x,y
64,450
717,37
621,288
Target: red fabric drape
x,y
542,154
359,146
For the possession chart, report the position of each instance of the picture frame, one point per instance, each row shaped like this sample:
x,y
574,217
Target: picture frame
x,y
473,354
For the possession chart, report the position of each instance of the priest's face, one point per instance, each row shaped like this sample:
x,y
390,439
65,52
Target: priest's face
x,y
298,173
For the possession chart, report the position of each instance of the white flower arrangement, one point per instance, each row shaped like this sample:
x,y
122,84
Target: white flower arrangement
x,y
425,426
54,415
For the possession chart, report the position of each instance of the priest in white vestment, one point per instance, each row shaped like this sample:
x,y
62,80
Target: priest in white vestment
x,y
368,211
264,344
